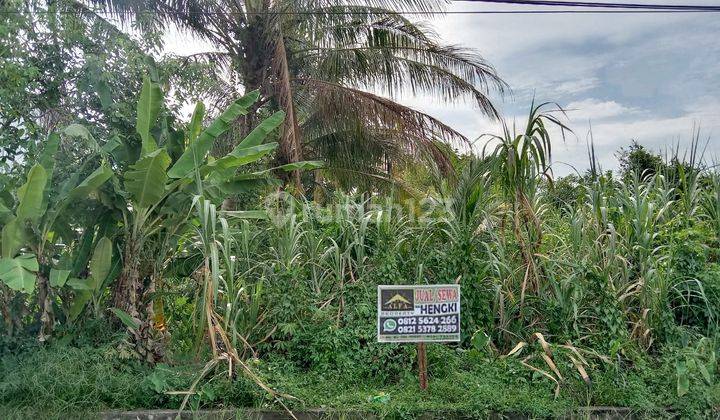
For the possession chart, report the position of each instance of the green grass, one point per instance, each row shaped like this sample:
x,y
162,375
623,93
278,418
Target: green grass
x,y
66,379
62,380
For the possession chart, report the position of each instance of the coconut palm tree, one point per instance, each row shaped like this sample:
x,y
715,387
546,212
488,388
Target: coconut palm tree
x,y
325,64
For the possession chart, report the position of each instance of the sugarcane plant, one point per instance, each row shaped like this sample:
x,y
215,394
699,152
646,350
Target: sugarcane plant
x,y
521,161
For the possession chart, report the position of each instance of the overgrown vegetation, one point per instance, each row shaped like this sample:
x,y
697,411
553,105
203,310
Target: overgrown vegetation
x,y
151,263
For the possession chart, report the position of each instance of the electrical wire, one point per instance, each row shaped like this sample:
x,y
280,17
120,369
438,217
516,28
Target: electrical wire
x,y
607,8
604,5
410,12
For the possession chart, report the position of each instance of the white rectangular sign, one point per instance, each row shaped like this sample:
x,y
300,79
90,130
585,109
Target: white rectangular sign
x,y
418,313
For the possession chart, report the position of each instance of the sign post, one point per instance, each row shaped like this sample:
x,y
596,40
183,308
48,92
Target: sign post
x,y
422,365
419,314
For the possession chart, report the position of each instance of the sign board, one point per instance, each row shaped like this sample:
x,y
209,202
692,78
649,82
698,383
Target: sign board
x,y
418,313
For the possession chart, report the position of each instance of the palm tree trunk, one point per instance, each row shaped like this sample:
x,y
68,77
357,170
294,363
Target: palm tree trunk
x,y
318,193
290,150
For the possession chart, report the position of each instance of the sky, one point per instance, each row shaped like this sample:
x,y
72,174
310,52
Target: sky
x,y
647,77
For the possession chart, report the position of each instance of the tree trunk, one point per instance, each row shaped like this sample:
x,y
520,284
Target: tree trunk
x,y
126,289
318,193
290,150
128,294
5,300
47,318
158,307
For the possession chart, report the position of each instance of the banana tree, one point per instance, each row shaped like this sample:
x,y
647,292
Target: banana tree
x,y
37,226
155,192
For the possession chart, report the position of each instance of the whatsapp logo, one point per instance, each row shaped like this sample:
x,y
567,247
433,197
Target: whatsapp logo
x,y
389,325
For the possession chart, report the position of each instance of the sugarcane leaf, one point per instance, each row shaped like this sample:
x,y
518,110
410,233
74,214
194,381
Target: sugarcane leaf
x,y
247,214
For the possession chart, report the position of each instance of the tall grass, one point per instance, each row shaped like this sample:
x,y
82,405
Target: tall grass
x,y
606,263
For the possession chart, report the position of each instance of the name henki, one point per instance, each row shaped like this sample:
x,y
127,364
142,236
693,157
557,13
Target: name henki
x,y
438,308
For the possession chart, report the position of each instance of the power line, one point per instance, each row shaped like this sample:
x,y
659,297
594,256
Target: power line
x,y
409,12
604,5
614,8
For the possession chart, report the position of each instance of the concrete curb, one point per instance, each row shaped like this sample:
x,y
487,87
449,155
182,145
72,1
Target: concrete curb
x,y
595,413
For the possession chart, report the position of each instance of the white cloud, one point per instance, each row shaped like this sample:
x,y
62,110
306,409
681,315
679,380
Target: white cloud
x,y
503,36
182,43
644,77
656,133
572,87
596,110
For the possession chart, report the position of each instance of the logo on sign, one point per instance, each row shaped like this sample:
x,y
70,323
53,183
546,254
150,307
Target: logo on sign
x,y
389,325
397,300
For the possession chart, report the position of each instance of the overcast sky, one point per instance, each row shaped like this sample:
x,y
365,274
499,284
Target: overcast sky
x,y
649,77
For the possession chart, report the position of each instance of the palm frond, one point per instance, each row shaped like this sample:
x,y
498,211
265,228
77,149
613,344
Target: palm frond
x,y
332,99
419,6
355,25
414,70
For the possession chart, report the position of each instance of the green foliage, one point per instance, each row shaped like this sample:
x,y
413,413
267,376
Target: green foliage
x,y
90,184
101,260
58,278
145,180
110,209
321,71
196,151
13,236
19,272
125,318
65,379
30,196
148,109
60,381
636,160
